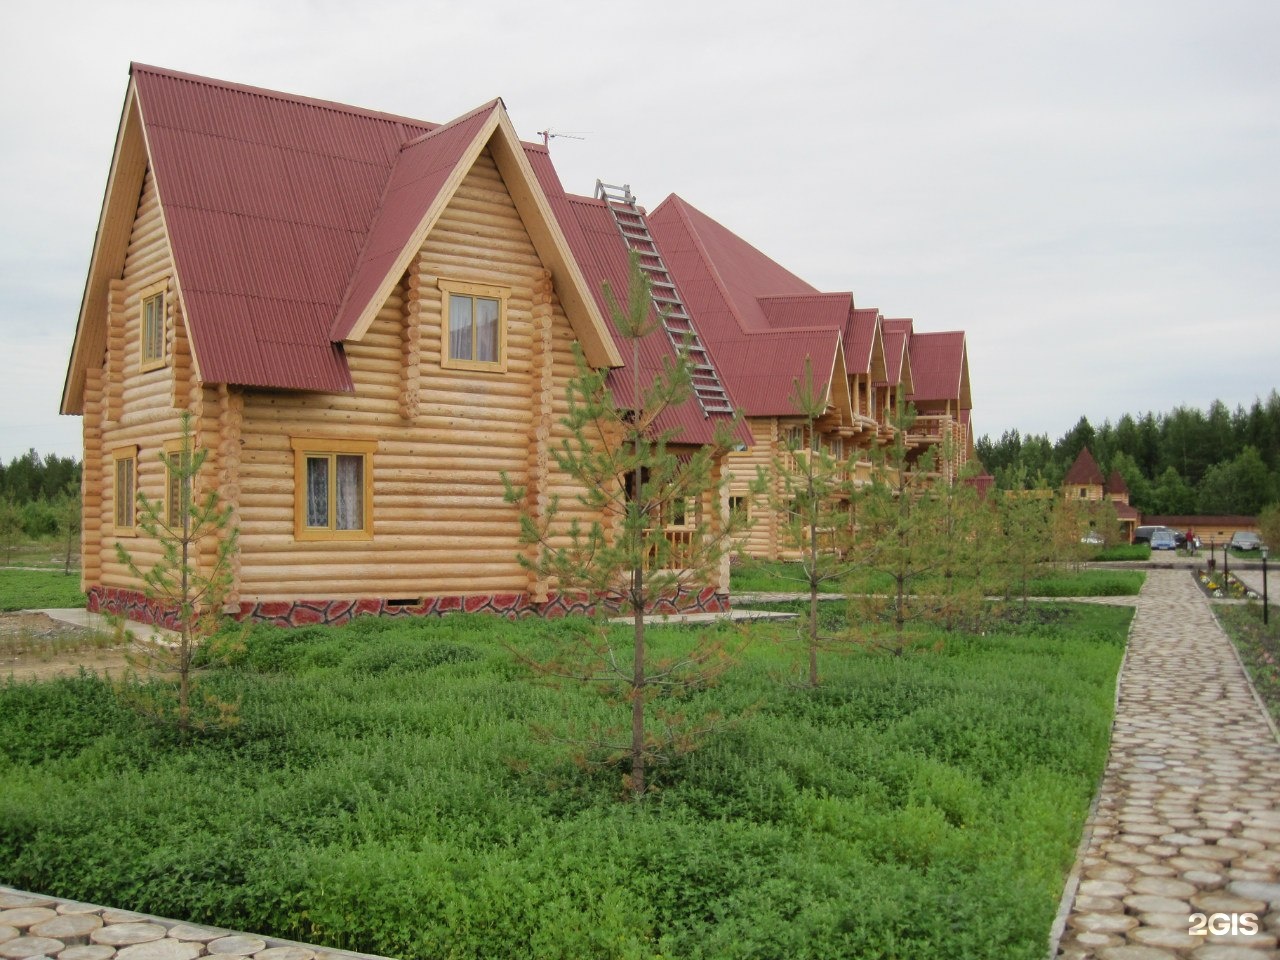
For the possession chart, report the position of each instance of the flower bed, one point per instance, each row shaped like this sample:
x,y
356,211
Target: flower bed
x,y
1222,586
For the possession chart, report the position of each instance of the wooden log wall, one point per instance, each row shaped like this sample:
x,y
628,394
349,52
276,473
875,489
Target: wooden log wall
x,y
440,522
541,421
762,539
91,481
137,408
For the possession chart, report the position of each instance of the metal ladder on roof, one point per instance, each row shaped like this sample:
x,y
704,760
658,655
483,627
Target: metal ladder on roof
x,y
707,386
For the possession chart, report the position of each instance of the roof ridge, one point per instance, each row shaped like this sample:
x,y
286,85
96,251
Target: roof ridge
x,y
443,128
317,102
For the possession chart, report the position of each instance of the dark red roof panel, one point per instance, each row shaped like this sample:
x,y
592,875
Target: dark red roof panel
x,y
937,365
732,275
807,310
1116,484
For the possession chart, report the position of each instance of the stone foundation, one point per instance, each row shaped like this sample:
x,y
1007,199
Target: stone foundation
x,y
133,605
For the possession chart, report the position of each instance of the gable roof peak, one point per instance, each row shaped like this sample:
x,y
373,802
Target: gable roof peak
x,y
1085,471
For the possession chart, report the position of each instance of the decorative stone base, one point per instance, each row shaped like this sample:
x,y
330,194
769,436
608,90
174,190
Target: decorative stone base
x,y
300,613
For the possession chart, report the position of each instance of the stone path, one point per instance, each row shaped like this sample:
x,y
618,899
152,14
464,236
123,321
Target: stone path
x,y
33,927
1186,834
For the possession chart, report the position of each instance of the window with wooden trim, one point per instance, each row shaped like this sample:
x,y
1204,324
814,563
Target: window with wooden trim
x,y
124,507
333,489
151,327
473,332
177,483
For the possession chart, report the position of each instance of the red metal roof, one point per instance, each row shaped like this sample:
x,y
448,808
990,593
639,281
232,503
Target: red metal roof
x,y
731,275
807,310
267,200
1084,472
938,366
1116,484
740,299
421,171
895,347
599,249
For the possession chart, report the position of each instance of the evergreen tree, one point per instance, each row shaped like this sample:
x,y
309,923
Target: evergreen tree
x,y
812,493
178,581
629,474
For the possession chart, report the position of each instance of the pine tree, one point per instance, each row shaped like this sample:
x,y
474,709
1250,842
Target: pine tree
x,y
177,580
810,489
630,476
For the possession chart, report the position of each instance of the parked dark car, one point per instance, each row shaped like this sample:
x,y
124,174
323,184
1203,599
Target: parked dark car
x,y
1143,534
1163,539
1245,540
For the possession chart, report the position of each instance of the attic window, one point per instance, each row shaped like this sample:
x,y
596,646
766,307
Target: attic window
x,y
473,331
151,326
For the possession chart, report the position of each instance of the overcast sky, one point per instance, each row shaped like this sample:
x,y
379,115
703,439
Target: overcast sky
x,y
1091,190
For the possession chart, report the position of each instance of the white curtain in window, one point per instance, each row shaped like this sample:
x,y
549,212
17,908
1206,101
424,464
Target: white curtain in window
x,y
317,491
486,330
350,504
459,327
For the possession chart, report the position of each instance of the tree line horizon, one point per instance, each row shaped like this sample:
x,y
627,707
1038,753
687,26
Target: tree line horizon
x,y
1186,461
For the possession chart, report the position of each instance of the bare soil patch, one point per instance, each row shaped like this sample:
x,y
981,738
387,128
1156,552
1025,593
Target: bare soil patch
x,y
33,646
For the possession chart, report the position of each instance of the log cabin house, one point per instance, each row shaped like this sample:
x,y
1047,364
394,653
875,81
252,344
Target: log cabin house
x,y
370,319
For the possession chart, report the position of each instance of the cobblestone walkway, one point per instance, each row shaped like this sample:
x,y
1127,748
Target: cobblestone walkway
x,y
33,927
1186,835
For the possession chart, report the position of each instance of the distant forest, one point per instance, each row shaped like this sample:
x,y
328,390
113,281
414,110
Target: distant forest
x,y
1187,461
32,477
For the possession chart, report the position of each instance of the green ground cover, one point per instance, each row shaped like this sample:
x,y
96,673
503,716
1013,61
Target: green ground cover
x,y
1088,583
1258,645
383,792
767,576
39,589
1123,551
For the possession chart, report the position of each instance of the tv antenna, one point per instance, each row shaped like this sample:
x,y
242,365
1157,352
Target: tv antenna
x,y
548,134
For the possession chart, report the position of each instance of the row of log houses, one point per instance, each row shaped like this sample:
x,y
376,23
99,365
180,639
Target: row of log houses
x,y
371,319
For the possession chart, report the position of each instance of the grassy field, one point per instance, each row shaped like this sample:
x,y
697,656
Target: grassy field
x,y
765,576
383,791
39,589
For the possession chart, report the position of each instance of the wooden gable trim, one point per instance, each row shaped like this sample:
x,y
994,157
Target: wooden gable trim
x,y
838,395
879,365
115,223
548,240
130,161
966,401
906,381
